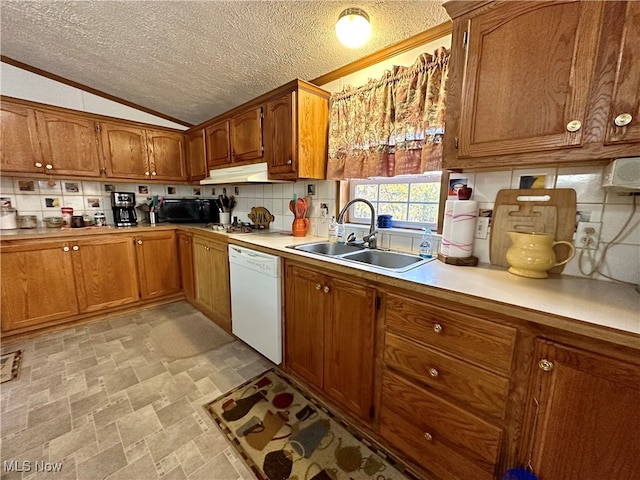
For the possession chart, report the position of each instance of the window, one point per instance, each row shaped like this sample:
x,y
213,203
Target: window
x,y
411,199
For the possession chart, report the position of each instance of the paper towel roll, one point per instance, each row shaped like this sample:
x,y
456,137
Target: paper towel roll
x,y
458,228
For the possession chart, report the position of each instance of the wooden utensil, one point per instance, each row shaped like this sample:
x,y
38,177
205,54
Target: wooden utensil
x,y
535,210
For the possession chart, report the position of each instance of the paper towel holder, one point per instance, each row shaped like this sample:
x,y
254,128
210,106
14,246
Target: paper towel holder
x,y
459,261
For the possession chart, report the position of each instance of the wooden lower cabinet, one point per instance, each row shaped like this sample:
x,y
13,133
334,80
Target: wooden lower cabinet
x,y
185,257
38,285
589,415
105,272
329,339
158,264
211,275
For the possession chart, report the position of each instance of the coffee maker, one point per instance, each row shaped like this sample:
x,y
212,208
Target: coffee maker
x,y
124,212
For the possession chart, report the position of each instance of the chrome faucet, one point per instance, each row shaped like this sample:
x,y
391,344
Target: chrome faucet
x,y
370,239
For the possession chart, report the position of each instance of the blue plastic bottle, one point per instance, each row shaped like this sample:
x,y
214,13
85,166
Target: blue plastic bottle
x,y
426,243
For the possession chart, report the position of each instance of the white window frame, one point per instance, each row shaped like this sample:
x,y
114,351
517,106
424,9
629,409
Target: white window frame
x,y
431,177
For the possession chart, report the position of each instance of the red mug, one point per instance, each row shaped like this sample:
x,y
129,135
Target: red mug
x,y
299,227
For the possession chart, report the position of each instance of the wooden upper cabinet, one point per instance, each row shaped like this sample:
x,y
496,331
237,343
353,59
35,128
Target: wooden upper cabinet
x,y
19,149
586,427
246,135
69,144
624,113
528,77
166,155
124,149
137,153
218,145
296,126
196,156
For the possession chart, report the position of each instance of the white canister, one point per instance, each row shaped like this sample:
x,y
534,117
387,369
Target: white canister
x,y
8,218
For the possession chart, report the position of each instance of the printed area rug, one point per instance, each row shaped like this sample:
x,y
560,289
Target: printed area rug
x,y
10,366
188,336
282,433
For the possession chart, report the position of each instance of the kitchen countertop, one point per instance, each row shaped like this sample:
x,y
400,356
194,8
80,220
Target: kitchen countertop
x,y
595,308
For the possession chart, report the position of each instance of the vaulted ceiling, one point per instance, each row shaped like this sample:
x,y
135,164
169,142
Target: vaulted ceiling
x,y
192,60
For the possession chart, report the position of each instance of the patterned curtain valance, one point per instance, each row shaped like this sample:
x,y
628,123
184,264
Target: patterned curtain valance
x,y
390,126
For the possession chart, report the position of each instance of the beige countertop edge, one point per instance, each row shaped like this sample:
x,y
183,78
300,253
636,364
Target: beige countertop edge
x,y
596,309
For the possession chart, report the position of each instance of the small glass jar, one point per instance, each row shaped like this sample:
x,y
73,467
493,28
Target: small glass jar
x,y
100,219
27,221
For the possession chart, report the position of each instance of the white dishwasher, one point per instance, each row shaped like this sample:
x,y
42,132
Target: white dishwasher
x,y
256,302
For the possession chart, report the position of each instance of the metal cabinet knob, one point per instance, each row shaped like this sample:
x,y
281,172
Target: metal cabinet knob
x,y
154,173
623,119
38,165
574,125
139,242
437,328
427,436
75,248
325,289
48,166
545,365
318,286
65,249
147,173
289,162
433,372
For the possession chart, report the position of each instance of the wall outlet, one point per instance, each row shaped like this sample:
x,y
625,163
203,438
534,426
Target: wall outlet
x,y
588,235
482,227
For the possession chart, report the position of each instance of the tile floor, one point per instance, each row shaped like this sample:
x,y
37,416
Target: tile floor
x,y
105,403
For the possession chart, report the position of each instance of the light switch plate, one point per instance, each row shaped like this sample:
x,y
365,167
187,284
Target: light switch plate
x,y
482,227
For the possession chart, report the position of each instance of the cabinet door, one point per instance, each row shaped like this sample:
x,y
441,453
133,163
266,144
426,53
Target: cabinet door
x,y
221,291
348,346
185,256
588,422
196,158
19,149
69,144
306,314
124,150
279,135
246,136
37,284
105,271
624,114
166,155
203,274
218,146
158,265
528,77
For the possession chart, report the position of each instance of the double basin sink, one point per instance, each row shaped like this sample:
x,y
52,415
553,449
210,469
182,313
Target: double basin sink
x,y
394,261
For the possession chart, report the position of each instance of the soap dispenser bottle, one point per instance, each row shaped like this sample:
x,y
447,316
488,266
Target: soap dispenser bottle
x,y
426,244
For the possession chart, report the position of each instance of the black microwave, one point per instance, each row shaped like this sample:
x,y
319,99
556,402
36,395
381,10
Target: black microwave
x,y
189,210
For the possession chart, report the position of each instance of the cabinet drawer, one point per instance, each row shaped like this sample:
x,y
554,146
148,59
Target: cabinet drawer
x,y
458,380
469,338
445,423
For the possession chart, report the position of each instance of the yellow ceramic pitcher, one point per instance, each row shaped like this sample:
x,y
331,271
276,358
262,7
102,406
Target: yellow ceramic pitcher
x,y
531,254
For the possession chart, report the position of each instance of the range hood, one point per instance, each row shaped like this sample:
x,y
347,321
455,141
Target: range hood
x,y
253,173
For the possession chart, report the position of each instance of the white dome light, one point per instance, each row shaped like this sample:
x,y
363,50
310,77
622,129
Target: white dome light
x,y
353,27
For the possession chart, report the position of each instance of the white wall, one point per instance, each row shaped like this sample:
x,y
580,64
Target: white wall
x,y
19,83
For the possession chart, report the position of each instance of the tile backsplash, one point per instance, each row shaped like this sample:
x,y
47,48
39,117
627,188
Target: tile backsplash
x,y
38,197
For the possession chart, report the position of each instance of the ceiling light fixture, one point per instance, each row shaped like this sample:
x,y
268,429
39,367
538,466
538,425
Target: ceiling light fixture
x,y
353,27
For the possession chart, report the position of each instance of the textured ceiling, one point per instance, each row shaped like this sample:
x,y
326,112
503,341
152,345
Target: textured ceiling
x,y
192,60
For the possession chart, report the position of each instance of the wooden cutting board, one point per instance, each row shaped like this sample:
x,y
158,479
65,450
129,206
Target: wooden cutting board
x,y
536,210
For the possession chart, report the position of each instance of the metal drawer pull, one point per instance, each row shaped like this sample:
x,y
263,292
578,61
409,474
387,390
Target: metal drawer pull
x,y
325,289
318,286
433,372
437,328
623,120
427,436
574,125
545,365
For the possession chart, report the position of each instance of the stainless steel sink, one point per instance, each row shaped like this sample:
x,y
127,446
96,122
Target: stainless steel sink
x,y
328,248
395,261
